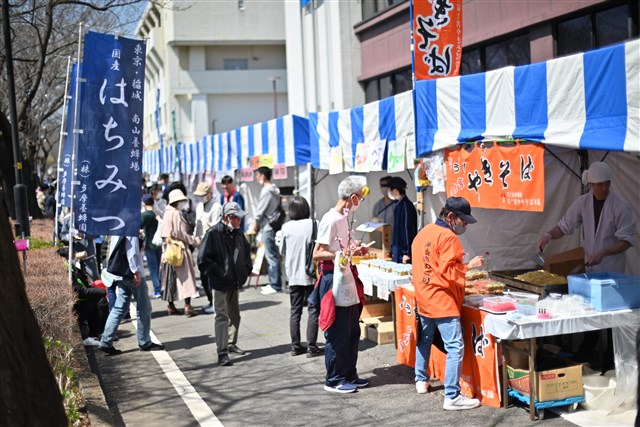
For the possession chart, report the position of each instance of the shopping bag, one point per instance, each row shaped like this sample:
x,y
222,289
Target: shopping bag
x,y
173,253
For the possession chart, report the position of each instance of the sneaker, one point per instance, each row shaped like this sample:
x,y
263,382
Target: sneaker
x,y
460,403
157,295
268,290
313,351
422,387
359,382
235,349
224,360
341,388
208,308
152,347
91,342
111,351
297,351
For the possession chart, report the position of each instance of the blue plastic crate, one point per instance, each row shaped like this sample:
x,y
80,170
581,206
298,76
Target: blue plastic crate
x,y
607,291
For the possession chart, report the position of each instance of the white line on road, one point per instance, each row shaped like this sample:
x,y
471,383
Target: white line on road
x,y
200,410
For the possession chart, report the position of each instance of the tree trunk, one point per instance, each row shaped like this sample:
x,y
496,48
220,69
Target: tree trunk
x,y
29,394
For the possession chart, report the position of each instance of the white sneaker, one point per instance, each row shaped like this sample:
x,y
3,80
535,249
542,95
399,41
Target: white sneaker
x,y
422,387
268,290
460,403
208,309
91,342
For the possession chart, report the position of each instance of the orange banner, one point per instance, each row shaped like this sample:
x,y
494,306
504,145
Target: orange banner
x,y
498,177
437,33
406,326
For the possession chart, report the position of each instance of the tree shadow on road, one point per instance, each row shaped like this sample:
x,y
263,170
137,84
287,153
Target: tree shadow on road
x,y
186,343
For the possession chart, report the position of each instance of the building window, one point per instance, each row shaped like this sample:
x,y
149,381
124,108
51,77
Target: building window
x,y
471,62
612,26
513,51
371,8
387,85
574,35
597,29
236,64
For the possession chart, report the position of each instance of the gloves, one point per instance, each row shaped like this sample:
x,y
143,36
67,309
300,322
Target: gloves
x,y
543,241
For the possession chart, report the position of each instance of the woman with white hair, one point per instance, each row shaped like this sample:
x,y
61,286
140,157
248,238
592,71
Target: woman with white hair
x,y
609,222
339,293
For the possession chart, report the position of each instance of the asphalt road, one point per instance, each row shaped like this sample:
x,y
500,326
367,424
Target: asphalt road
x,y
267,386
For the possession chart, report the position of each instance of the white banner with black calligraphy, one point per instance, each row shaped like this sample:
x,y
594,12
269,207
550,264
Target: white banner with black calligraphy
x,y
109,161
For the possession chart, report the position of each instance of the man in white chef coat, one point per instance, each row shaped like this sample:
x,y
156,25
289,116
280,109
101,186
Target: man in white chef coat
x,y
609,223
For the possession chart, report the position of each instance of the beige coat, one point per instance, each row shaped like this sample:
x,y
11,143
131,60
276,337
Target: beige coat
x,y
175,227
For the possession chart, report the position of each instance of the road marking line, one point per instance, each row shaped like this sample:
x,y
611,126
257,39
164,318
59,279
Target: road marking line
x,y
198,407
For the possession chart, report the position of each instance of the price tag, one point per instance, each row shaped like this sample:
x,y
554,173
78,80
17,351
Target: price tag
x,y
396,156
375,156
280,171
246,174
336,163
362,151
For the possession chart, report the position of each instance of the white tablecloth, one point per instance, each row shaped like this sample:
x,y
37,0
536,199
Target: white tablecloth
x,y
500,327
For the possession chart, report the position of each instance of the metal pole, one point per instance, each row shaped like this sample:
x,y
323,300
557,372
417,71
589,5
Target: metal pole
x,y
275,99
60,143
19,190
73,151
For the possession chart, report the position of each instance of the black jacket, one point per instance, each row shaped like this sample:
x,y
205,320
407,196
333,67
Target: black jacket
x,y
224,258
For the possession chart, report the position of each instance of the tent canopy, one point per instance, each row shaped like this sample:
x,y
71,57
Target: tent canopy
x,y
386,120
589,100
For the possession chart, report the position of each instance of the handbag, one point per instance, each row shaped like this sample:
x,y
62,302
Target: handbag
x,y
173,253
310,265
277,219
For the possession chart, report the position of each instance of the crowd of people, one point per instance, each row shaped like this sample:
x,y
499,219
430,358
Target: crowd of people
x,y
177,235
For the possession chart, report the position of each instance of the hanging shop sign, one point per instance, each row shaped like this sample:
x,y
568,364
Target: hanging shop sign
x,y
263,160
498,177
280,171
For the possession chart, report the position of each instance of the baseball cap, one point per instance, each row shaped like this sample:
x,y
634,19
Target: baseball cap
x,y
202,189
397,183
147,199
460,207
232,208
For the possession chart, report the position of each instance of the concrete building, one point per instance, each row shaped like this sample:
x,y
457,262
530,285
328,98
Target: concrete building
x,y
495,34
323,55
212,67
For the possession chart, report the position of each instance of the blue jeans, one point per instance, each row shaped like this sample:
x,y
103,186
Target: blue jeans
x,y
273,259
451,332
153,262
341,347
124,291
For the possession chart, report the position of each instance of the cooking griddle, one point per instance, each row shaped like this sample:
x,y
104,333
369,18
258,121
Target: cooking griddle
x,y
508,278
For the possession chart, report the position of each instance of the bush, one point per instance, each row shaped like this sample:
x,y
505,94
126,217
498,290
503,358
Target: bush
x,y
51,298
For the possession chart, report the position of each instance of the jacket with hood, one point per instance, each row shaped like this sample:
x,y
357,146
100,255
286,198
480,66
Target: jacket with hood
x,y
225,256
267,205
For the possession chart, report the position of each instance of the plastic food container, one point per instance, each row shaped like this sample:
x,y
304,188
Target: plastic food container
x,y
598,391
499,303
607,291
526,309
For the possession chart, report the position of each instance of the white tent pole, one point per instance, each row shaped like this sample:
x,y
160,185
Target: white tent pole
x,y
73,152
60,143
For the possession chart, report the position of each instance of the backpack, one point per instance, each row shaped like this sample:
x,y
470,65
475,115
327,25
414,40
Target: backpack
x,y
310,265
277,219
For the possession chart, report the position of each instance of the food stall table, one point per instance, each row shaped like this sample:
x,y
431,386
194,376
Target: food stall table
x,y
531,328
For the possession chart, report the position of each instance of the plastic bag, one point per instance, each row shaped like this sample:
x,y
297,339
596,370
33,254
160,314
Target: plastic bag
x,y
157,236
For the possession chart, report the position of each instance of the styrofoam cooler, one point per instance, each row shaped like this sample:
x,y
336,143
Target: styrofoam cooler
x,y
607,291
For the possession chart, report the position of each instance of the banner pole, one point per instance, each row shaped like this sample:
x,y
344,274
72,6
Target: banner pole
x,y
60,143
73,151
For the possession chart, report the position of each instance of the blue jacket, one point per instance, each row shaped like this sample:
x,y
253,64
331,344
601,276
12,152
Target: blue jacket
x,y
405,228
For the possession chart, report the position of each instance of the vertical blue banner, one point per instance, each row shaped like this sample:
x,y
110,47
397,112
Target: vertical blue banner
x,y
109,154
66,174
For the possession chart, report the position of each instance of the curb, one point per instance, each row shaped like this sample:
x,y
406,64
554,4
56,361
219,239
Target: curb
x,y
89,382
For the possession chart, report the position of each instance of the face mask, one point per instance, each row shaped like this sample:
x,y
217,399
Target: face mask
x,y
390,195
459,229
384,190
183,205
158,196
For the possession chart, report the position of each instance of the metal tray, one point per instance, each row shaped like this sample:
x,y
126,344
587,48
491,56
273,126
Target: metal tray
x,y
508,278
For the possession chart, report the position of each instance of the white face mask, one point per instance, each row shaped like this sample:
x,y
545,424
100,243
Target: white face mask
x,y
390,195
353,207
183,205
458,229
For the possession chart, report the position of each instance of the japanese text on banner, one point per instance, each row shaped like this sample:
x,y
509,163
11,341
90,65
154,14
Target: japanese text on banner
x,y
110,146
66,174
510,178
437,34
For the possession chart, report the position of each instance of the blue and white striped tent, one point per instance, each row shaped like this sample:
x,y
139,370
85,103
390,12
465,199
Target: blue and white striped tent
x,y
285,138
160,160
590,101
388,119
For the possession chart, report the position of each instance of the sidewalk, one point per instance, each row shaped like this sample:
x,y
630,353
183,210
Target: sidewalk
x,y
267,386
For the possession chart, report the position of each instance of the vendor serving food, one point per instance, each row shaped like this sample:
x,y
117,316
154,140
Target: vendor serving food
x,y
609,222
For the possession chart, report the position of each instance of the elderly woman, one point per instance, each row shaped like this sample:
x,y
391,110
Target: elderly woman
x,y
178,283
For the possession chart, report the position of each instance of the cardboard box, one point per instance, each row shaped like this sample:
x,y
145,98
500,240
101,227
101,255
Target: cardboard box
x,y
555,384
381,333
371,321
376,309
565,263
